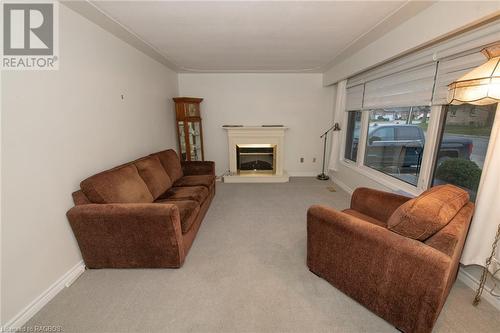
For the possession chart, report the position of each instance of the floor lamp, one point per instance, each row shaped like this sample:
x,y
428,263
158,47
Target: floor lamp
x,y
481,86
335,127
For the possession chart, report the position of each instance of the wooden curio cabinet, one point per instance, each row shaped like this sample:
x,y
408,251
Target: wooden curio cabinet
x,y
189,130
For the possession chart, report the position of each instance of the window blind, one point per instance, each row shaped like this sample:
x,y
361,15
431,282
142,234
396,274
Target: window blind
x,y
410,87
452,68
463,42
422,77
354,97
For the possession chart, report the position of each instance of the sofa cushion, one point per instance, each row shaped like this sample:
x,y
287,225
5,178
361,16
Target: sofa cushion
x,y
171,164
188,210
198,180
196,193
121,185
423,216
154,175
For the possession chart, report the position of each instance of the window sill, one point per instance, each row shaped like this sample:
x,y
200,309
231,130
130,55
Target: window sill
x,y
392,183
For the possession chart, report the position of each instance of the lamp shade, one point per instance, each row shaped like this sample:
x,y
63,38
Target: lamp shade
x,y
481,86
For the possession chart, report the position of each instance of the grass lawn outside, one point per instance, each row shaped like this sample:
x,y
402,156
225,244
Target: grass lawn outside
x,y
463,130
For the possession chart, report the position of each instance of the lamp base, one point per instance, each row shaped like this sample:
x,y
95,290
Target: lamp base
x,y
322,176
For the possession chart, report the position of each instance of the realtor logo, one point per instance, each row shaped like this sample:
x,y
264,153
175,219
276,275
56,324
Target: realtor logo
x,y
29,35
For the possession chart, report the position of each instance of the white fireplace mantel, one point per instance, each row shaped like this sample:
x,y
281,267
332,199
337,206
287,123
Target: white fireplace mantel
x,y
256,135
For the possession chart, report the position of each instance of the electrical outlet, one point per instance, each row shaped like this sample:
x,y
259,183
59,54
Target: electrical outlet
x,y
301,160
314,159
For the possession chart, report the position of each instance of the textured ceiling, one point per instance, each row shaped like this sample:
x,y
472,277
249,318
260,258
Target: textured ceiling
x,y
249,36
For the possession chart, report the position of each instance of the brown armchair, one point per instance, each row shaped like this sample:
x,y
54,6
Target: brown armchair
x,y
395,255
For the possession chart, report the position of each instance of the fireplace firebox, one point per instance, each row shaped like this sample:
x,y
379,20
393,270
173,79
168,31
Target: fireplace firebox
x,y
256,158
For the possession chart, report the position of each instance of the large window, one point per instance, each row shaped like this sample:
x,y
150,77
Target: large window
x,y
462,149
395,141
352,135
401,133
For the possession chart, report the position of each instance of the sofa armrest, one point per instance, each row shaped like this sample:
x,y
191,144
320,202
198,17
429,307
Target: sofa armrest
x,y
128,235
401,279
377,204
191,168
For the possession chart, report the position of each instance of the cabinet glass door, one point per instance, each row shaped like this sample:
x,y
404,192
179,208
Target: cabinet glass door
x,y
182,140
195,140
189,128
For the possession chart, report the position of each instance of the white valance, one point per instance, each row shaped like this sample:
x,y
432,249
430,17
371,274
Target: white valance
x,y
422,77
423,85
458,44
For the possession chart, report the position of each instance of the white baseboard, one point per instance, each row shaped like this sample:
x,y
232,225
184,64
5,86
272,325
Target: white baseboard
x,y
302,173
473,283
29,311
257,178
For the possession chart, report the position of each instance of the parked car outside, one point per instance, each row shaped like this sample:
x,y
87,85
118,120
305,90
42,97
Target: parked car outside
x,y
398,148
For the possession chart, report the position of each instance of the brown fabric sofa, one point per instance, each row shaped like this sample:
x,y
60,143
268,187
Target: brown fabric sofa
x,y
397,256
142,214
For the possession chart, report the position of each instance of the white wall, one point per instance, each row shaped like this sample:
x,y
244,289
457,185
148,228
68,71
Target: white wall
x,y
350,179
295,100
59,127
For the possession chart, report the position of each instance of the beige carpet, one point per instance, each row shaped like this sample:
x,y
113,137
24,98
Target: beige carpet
x,y
246,272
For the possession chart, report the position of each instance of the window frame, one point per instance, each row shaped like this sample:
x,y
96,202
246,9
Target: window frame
x,y
344,137
440,131
394,138
424,181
